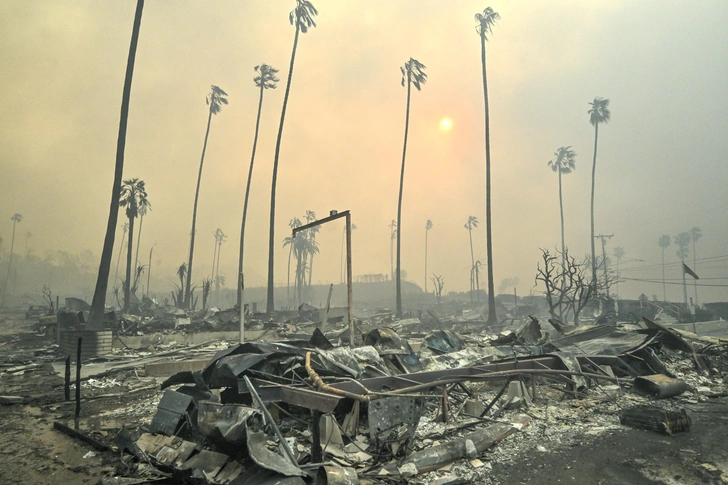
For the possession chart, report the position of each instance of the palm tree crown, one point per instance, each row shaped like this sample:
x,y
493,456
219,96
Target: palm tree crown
x,y
664,241
414,72
302,15
215,99
485,22
266,77
134,197
472,223
599,111
564,162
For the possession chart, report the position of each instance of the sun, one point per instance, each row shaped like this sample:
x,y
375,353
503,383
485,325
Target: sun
x,y
445,124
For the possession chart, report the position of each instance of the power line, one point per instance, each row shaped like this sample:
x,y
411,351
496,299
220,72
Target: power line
x,y
673,283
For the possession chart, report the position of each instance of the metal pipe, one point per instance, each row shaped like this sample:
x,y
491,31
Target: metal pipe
x,y
349,293
78,378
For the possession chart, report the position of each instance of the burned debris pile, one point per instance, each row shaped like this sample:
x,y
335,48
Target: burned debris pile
x,y
419,400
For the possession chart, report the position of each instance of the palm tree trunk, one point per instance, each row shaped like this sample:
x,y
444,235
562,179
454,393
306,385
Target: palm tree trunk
x,y
685,287
310,268
139,238
247,194
118,258
492,319
271,236
288,282
426,231
594,171
398,290
664,289
217,275
472,264
561,208
99,300
188,285
127,283
214,258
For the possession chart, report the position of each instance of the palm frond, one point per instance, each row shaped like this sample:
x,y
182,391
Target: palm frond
x,y
485,22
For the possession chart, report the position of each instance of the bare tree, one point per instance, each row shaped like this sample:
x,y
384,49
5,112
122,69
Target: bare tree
x,y
439,283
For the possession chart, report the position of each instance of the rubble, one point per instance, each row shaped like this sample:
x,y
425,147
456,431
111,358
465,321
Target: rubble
x,y
414,402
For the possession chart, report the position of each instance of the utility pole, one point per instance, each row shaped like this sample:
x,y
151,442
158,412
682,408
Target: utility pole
x,y
604,238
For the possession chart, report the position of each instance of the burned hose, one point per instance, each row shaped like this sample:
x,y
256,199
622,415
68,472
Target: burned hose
x,y
321,386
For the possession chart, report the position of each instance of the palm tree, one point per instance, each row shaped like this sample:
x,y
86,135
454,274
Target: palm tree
x,y
302,18
265,79
16,218
664,243
133,196
310,217
598,113
472,222
215,99
618,253
564,164
695,234
682,241
220,238
288,241
484,26
99,300
413,72
121,248
428,226
142,213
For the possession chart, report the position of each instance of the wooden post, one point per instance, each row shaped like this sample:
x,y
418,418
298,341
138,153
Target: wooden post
x,y
78,378
348,280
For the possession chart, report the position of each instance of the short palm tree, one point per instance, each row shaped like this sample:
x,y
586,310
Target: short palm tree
x,y
664,243
16,218
484,26
215,99
428,227
302,18
99,300
470,225
220,237
563,164
142,212
288,241
125,228
413,73
695,234
265,79
598,113
133,196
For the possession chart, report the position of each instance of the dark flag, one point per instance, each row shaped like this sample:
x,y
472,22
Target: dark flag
x,y
689,271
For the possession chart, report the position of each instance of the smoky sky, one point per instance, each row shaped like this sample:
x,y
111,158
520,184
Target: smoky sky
x,y
661,166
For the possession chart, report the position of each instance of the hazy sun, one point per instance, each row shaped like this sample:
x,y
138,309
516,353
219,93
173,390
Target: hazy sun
x,y
445,124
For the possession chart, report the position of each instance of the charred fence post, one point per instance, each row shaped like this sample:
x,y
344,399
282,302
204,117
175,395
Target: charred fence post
x,y
67,385
78,378
317,455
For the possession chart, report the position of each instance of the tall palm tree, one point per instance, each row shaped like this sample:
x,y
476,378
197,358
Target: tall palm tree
x,y
302,18
16,218
265,79
682,241
413,73
428,226
598,113
310,217
618,253
664,243
695,234
133,196
472,223
484,26
564,164
99,300
215,99
121,248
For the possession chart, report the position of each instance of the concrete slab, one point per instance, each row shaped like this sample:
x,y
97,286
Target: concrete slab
x,y
166,369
